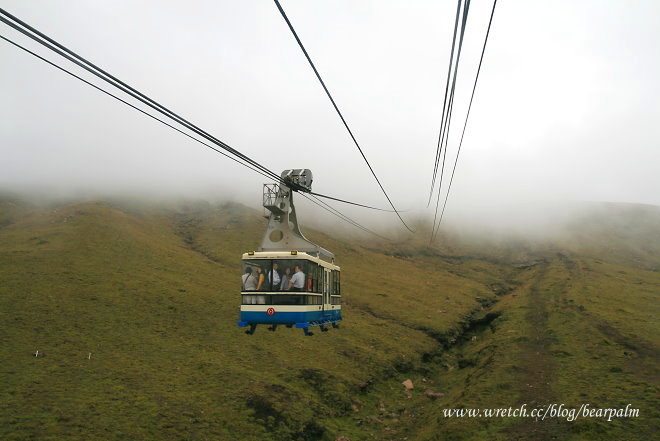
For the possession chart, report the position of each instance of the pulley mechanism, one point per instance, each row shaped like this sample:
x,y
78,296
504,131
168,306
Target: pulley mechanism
x,y
283,232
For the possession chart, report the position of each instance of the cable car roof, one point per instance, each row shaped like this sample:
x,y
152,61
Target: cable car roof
x,y
290,256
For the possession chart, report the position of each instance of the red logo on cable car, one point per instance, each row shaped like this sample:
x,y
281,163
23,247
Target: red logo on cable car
x,y
270,311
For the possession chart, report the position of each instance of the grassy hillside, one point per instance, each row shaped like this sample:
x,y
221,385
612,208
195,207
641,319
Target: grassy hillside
x,y
151,292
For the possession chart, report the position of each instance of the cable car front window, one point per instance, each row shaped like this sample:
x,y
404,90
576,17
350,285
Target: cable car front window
x,y
254,277
267,275
288,300
295,274
285,271
255,299
299,273
281,299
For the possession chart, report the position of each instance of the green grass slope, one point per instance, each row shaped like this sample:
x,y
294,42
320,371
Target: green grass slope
x,y
151,292
152,295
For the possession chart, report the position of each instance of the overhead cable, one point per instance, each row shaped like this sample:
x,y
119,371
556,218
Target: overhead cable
x,y
350,132
444,103
474,87
65,52
352,203
329,208
447,122
131,105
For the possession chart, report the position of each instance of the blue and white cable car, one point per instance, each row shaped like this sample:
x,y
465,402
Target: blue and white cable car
x,y
290,281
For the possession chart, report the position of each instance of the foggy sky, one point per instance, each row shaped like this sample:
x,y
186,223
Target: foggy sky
x,y
566,109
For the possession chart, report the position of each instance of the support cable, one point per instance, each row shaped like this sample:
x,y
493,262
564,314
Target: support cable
x,y
474,87
133,106
466,10
353,203
330,209
63,51
339,214
444,103
350,132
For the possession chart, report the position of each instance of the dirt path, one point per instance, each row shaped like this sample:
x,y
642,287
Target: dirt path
x,y
536,362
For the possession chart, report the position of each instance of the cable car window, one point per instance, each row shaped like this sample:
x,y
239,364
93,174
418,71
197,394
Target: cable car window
x,y
314,300
254,277
319,275
282,269
288,300
315,277
285,269
255,300
267,275
336,288
274,276
279,299
297,277
324,280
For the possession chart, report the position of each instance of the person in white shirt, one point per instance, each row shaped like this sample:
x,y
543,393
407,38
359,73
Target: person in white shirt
x,y
297,282
249,281
274,277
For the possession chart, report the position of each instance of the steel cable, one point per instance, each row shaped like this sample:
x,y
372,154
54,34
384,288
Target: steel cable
x,y
474,87
350,132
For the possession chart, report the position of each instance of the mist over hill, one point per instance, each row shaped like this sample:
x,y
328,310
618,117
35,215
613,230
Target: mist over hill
x,y
132,305
130,187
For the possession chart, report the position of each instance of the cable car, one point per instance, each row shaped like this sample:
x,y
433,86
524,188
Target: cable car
x,y
290,281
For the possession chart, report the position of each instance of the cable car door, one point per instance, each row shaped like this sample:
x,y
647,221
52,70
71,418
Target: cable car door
x,y
326,289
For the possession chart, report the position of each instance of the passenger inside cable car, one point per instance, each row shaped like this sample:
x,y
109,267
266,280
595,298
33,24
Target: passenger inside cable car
x,y
286,277
297,282
249,281
274,277
296,276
